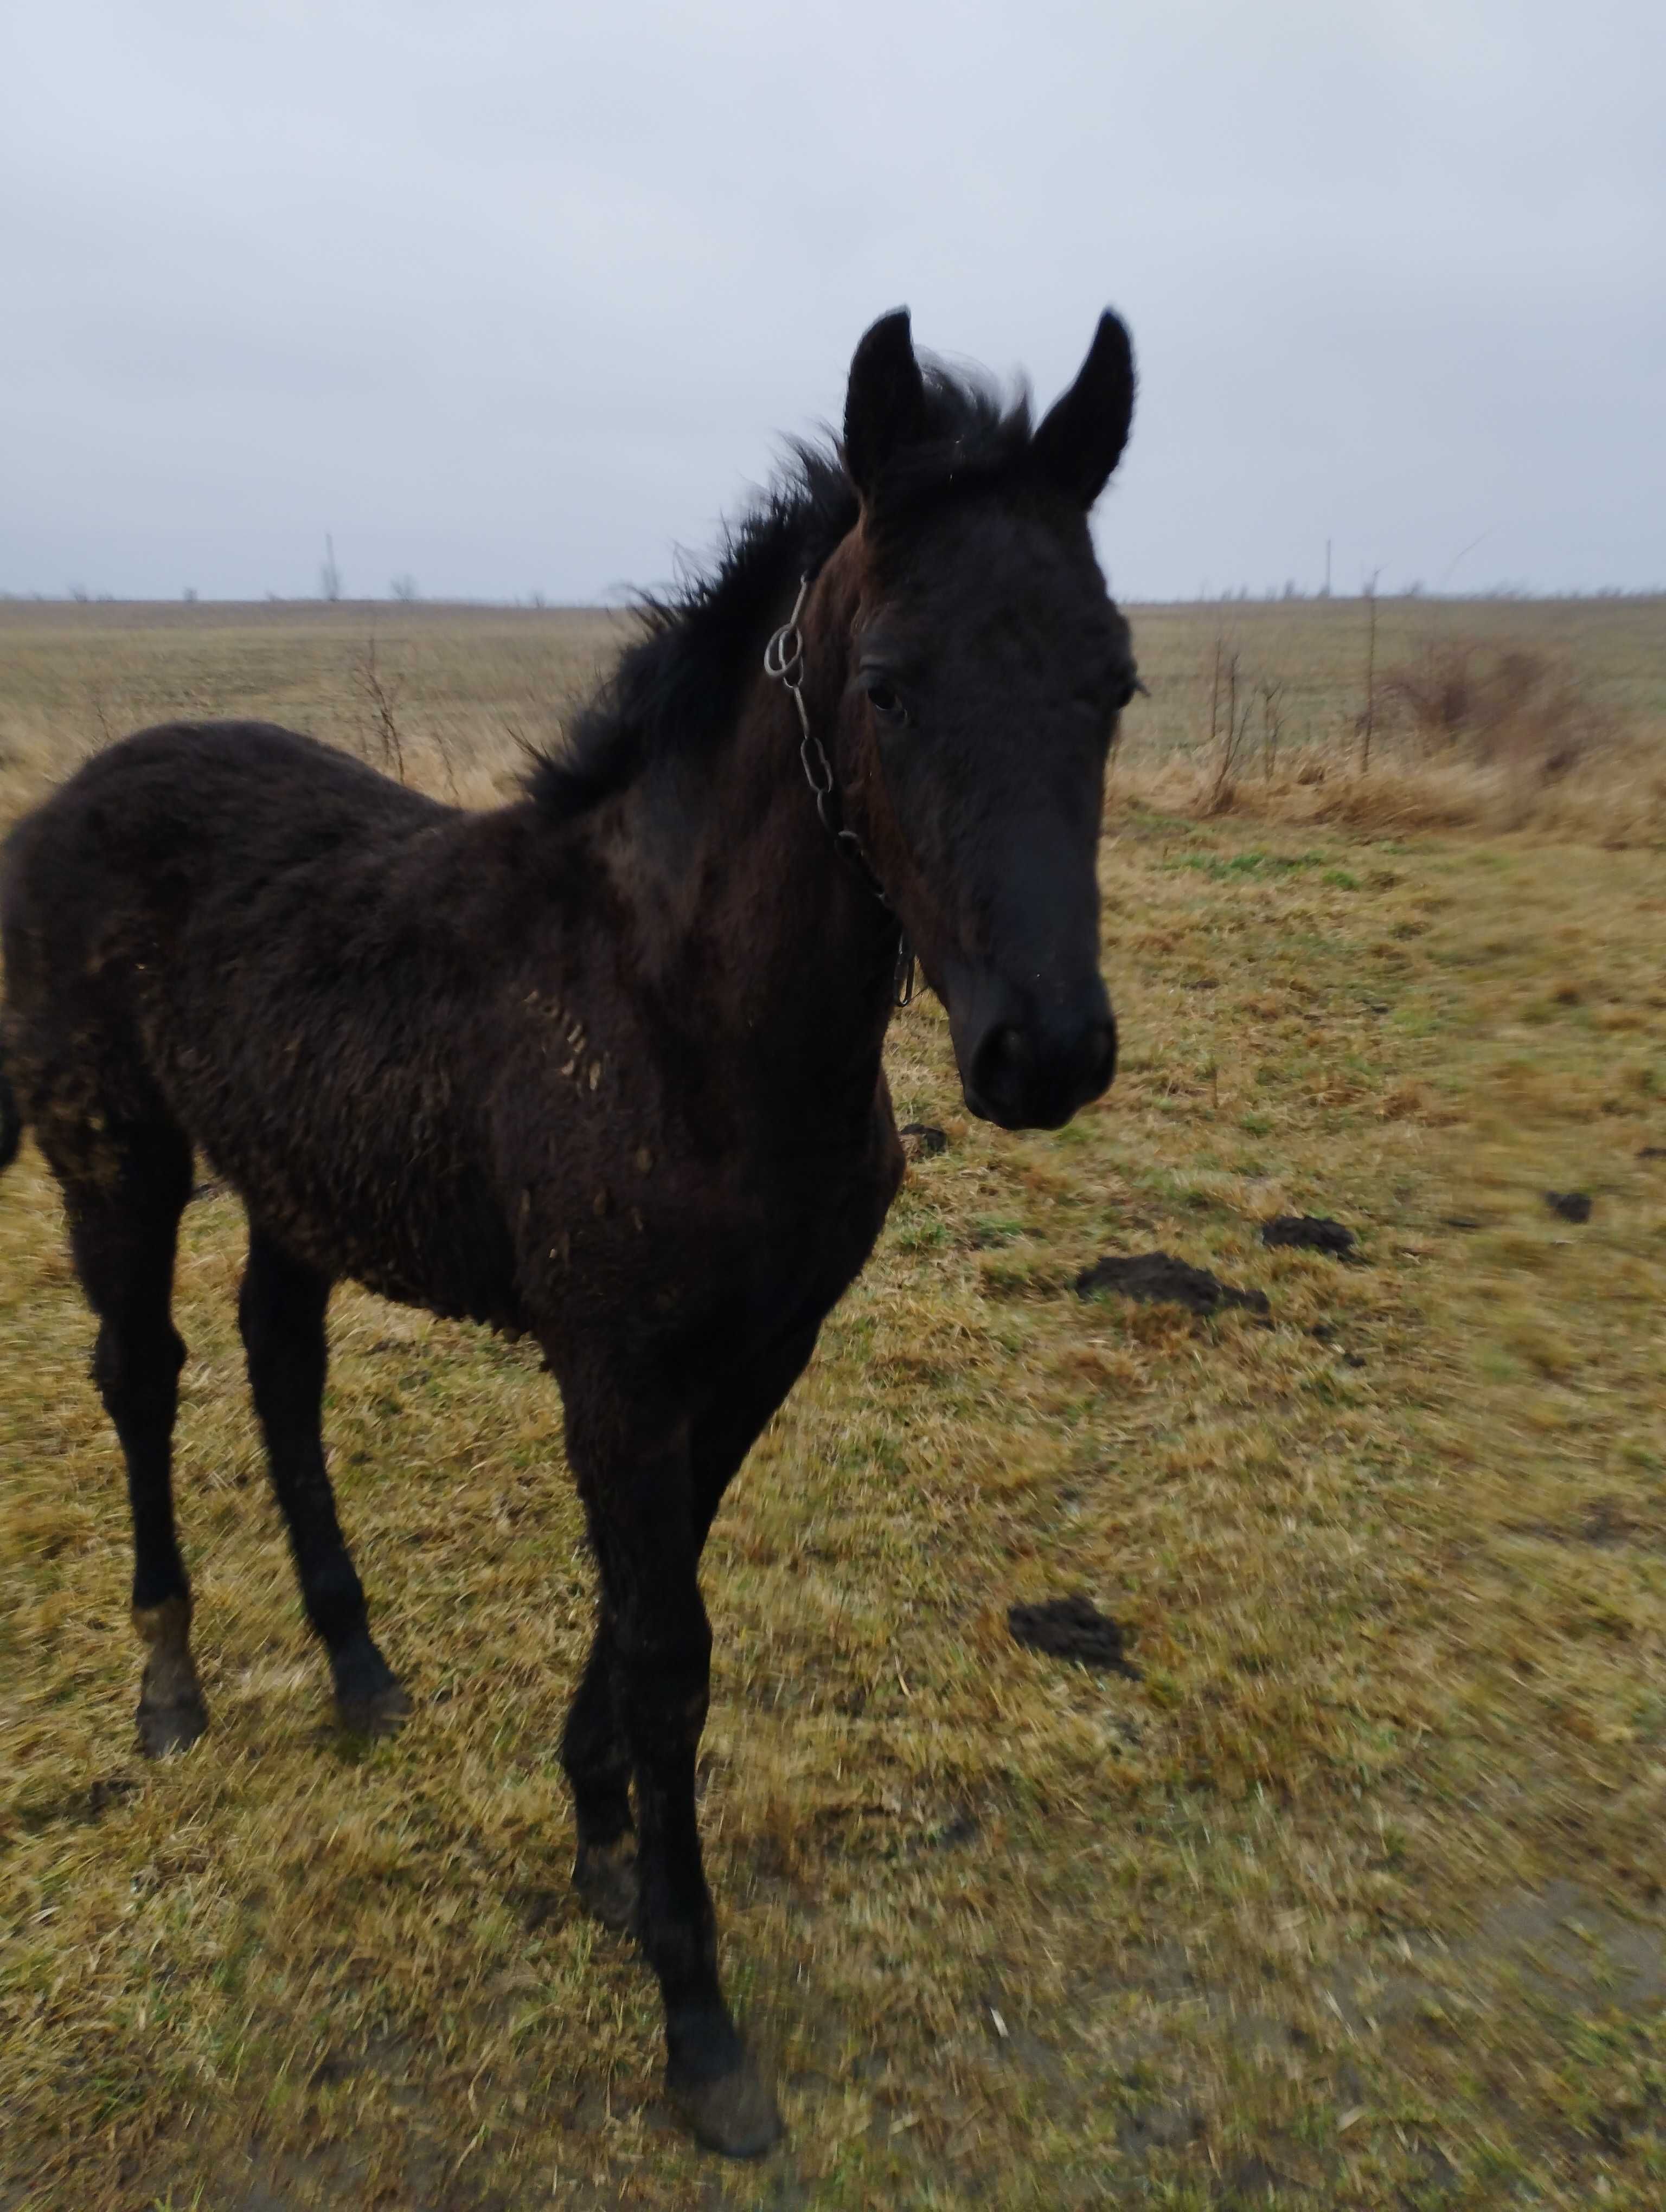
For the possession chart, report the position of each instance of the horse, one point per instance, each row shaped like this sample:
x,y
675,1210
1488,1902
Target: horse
x,y
603,1064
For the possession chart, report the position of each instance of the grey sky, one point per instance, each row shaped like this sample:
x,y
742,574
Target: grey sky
x,y
521,296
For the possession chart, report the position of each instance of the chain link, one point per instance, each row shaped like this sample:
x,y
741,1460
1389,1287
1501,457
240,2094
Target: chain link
x,y
783,661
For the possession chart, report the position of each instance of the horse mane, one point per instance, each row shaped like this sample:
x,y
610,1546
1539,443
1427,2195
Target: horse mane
x,y
678,687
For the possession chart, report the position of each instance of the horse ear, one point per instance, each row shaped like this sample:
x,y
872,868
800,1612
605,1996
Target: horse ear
x,y
884,407
1081,439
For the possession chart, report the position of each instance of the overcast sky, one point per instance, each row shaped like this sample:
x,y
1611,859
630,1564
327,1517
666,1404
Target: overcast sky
x,y
521,297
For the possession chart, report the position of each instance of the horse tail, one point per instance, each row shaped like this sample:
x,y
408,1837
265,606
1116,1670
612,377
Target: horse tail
x,y
11,1120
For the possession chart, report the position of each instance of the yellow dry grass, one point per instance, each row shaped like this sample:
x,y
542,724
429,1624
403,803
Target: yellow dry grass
x,y
1354,1899
1601,667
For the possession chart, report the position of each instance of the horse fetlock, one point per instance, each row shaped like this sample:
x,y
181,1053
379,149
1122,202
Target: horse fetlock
x,y
171,1714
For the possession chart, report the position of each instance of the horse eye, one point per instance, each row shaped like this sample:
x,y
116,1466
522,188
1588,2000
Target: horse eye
x,y
886,703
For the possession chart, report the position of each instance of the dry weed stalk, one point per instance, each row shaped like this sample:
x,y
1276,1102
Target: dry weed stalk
x,y
381,696
1368,715
1271,691
99,702
1228,724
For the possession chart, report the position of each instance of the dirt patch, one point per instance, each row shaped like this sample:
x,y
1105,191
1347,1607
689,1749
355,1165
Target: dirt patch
x,y
1570,1205
1159,2127
1603,1522
88,1804
1158,1278
1071,1628
1252,2181
1562,1946
1311,1232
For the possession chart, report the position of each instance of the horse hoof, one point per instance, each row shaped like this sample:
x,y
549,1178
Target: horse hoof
x,y
370,1698
378,1713
735,2115
175,1727
604,1877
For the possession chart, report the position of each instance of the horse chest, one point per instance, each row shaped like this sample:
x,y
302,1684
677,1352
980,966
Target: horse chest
x,y
693,1244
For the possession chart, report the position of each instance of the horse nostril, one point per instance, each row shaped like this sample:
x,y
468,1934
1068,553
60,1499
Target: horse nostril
x,y
1024,1079
1004,1062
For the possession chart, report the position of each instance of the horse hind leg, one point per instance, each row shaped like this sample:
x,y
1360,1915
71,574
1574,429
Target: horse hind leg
x,y
281,1312
124,1220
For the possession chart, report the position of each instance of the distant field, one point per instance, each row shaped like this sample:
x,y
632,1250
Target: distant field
x,y
1354,1899
467,682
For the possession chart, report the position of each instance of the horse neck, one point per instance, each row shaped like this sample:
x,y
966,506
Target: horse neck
x,y
751,919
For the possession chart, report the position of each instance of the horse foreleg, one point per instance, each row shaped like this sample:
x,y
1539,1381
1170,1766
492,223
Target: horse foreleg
x,y
637,1487
594,1752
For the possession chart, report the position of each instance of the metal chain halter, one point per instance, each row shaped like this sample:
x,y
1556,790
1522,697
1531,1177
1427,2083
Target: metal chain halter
x,y
783,662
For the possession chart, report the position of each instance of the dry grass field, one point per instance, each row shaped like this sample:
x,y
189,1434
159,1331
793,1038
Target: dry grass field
x,y
1352,1898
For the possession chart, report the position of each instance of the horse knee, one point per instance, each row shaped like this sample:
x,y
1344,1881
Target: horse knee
x,y
667,1689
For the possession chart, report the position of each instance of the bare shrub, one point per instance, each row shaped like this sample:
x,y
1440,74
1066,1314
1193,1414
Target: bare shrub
x,y
1228,724
1468,733
1249,714
1465,703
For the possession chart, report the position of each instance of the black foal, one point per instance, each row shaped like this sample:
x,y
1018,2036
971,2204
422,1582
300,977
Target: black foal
x,y
603,1065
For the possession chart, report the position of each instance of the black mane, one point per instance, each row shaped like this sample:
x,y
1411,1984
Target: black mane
x,y
678,686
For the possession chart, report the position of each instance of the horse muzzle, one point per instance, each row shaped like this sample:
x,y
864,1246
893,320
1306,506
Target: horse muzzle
x,y
1030,1058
